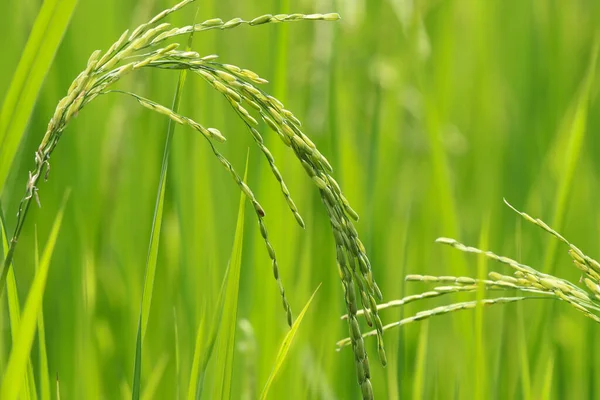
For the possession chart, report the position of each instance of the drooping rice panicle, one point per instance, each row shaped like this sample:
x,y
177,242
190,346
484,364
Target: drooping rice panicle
x,y
138,49
224,84
525,279
490,285
434,312
229,81
583,262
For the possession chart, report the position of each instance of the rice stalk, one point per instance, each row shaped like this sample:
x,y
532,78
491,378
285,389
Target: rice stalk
x,y
140,49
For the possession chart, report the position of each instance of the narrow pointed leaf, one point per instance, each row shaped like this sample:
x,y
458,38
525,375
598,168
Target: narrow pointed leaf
x,y
285,346
19,355
14,311
225,350
44,39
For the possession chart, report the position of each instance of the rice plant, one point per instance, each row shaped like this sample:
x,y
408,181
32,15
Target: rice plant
x,y
150,46
530,282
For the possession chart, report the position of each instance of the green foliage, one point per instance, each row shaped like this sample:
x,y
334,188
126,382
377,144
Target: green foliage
x,y
14,311
23,341
227,330
36,59
429,112
285,347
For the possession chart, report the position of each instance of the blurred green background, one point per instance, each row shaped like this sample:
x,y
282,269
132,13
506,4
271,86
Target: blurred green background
x,y
430,111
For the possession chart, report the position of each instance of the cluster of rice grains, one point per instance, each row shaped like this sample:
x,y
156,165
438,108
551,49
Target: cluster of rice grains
x,y
139,49
535,284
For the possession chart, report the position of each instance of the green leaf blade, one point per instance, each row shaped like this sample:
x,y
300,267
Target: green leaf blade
x,y
19,356
14,313
46,35
224,367
285,346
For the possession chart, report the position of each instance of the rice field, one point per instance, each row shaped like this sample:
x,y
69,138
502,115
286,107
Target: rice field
x,y
144,271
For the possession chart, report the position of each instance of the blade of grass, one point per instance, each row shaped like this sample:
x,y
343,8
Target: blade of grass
x,y
46,35
225,351
177,365
547,388
481,377
155,237
207,352
137,365
285,346
155,377
523,356
419,373
43,354
193,385
14,314
19,355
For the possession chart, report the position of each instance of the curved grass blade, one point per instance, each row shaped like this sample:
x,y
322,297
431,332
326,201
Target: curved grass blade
x,y
46,35
19,355
285,346
14,313
225,350
155,239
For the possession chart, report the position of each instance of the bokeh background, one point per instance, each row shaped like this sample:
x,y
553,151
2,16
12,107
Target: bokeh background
x,y
431,111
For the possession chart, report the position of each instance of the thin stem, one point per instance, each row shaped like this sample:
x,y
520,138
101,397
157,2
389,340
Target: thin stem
x,y
41,157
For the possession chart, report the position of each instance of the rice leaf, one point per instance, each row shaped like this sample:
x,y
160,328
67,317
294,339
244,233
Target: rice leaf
x,y
285,346
155,377
208,350
14,313
481,377
419,374
19,355
137,364
523,357
193,384
177,358
548,378
44,39
155,237
44,373
225,350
